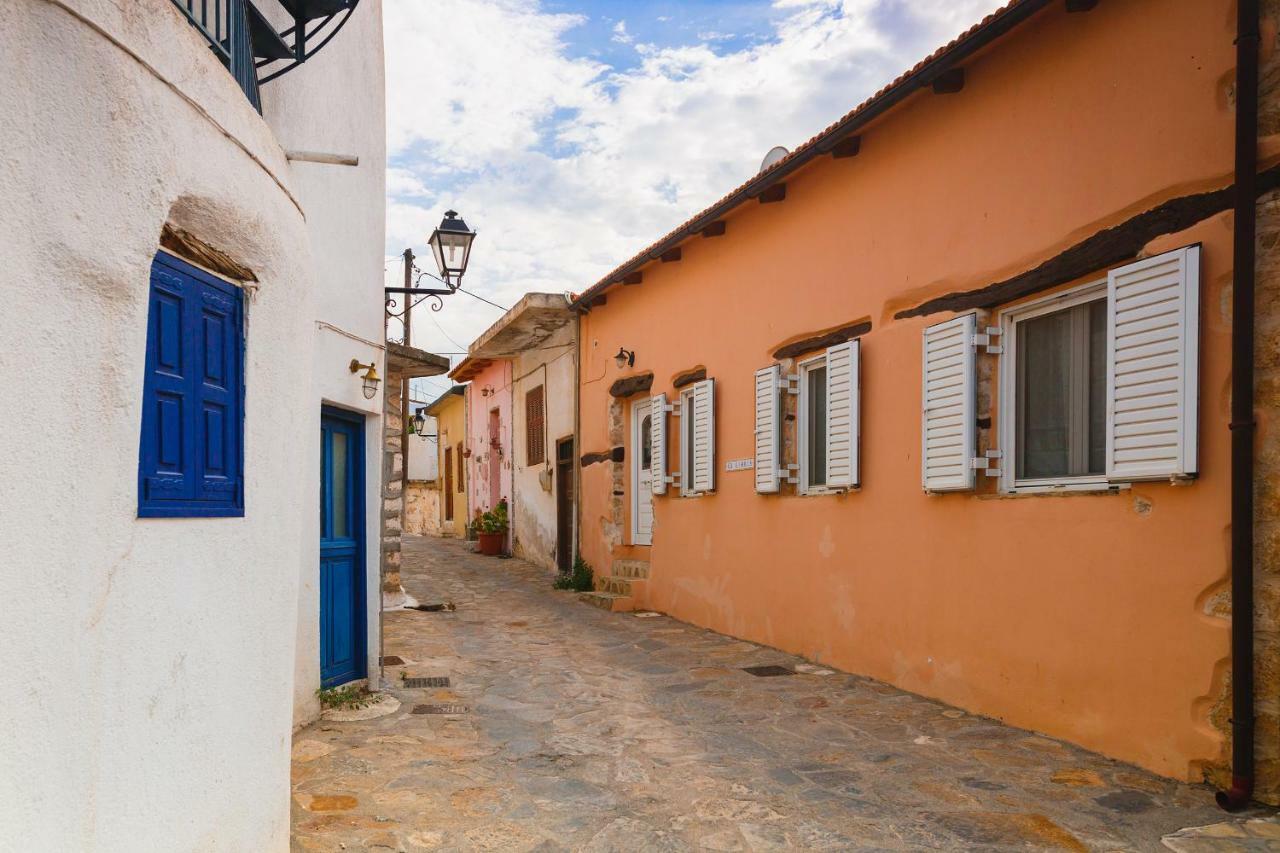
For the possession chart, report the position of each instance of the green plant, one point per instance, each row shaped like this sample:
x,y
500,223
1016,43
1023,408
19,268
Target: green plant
x,y
581,579
495,520
352,696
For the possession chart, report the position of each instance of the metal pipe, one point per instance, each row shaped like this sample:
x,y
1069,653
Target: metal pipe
x,y
1242,419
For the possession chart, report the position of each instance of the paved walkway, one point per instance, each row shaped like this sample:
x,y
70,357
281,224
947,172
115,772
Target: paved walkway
x,y
575,729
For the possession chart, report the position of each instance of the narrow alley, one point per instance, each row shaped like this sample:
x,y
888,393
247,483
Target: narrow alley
x,y
566,727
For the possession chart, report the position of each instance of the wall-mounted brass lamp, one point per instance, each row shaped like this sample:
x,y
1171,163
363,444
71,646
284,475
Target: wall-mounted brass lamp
x,y
370,377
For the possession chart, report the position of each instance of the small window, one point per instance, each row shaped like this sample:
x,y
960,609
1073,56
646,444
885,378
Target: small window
x,y
686,442
191,452
535,426
646,443
1059,389
813,425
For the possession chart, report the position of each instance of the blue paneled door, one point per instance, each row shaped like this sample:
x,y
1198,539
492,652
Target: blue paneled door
x,y
342,558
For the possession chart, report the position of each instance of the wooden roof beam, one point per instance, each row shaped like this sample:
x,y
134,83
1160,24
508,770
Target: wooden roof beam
x,y
847,147
773,194
949,82
715,229
670,255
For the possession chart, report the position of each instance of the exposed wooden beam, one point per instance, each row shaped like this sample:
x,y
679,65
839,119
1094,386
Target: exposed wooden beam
x,y
949,82
632,277
689,377
715,229
822,340
597,301
670,255
847,147
1081,5
629,385
773,194
1097,252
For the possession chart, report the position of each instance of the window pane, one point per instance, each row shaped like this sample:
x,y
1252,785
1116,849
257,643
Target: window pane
x,y
341,527
686,412
1044,361
817,426
646,443
1097,386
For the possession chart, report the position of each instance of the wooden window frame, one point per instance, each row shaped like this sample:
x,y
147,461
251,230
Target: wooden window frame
x,y
535,425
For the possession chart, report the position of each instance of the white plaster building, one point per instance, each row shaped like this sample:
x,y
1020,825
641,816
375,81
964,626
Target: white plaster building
x,y
532,348
162,581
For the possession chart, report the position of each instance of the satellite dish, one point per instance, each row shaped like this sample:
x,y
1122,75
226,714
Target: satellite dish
x,y
775,154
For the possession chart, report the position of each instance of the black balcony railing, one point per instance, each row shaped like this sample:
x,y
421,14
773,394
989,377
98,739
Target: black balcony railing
x,y
248,44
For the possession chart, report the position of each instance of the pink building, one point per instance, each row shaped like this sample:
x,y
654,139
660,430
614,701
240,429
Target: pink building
x,y
489,443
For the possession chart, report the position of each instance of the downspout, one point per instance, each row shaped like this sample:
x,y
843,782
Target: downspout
x,y
1242,422
577,439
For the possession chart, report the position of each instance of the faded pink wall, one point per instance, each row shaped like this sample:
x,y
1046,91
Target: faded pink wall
x,y
497,376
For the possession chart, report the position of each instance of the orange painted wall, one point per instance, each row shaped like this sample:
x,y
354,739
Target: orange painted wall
x,y
1078,615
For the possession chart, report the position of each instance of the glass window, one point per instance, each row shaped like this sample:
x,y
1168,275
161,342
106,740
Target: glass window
x,y
646,443
686,449
338,486
815,425
1061,389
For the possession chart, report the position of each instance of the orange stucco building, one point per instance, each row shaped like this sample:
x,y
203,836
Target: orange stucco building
x,y
1076,585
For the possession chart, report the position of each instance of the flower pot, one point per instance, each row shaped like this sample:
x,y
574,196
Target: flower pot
x,y
491,543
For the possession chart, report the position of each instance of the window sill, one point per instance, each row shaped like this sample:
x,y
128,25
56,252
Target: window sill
x,y
1066,487
190,512
825,492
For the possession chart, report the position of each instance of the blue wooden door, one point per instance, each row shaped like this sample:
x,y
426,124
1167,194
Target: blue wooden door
x,y
342,559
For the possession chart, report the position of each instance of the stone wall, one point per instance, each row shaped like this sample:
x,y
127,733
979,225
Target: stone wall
x,y
422,508
392,481
1267,456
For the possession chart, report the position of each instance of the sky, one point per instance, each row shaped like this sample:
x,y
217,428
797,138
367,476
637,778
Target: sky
x,y
570,134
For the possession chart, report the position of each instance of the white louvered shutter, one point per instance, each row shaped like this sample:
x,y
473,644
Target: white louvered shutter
x,y
658,441
703,476
947,428
768,433
842,415
1153,371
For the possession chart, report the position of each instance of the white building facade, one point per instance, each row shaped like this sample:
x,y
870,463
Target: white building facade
x,y
164,551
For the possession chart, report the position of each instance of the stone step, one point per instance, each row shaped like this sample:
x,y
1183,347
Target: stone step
x,y
620,586
632,569
610,601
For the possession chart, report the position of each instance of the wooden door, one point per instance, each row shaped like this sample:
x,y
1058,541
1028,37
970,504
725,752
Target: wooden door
x,y
448,484
564,504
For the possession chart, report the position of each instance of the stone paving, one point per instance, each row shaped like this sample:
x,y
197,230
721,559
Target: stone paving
x,y
569,728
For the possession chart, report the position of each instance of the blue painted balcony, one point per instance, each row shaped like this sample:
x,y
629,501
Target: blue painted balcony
x,y
252,47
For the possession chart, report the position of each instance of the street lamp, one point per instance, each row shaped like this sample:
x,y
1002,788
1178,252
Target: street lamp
x,y
451,244
420,424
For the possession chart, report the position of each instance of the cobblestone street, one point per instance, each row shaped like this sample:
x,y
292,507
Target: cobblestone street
x,y
569,728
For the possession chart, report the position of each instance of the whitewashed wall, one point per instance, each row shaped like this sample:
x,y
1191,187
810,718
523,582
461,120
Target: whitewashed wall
x,y
159,654
335,104
534,510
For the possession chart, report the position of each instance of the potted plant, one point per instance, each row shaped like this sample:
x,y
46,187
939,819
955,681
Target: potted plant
x,y
491,528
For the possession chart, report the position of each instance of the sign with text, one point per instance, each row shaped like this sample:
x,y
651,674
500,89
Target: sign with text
x,y
739,464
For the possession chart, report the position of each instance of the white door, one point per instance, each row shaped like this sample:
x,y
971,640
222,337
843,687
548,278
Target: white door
x,y
641,473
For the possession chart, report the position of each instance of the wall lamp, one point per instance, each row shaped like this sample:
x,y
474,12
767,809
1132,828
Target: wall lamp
x,y
625,358
487,391
371,379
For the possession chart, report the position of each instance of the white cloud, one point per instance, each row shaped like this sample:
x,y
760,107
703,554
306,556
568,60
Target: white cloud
x,y
620,33
567,167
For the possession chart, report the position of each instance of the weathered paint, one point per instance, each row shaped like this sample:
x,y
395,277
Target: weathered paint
x,y
534,511
160,653
1082,616
489,449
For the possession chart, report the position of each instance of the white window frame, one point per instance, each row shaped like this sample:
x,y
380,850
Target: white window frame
x,y
803,369
1007,436
686,446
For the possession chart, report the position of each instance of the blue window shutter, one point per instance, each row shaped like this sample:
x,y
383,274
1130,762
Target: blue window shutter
x,y
191,453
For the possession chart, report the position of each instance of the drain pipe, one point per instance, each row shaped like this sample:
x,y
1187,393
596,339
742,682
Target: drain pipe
x,y
1242,421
